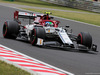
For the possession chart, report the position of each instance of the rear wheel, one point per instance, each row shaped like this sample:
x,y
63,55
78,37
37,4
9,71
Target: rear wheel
x,y
84,39
37,32
10,29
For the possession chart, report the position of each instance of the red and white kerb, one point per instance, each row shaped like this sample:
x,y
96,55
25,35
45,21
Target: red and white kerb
x,y
28,63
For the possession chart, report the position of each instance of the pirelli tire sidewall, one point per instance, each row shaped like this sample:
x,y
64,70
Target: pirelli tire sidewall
x,y
10,29
85,39
37,32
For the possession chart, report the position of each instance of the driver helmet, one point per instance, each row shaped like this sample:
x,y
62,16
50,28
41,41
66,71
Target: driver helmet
x,y
49,24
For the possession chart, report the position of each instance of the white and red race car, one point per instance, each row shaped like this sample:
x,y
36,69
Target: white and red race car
x,y
42,30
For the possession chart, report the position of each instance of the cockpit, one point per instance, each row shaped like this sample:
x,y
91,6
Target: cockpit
x,y
49,24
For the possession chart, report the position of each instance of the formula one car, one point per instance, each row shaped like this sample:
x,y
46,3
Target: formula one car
x,y
43,31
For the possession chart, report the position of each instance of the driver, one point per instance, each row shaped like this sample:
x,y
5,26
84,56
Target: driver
x,y
49,24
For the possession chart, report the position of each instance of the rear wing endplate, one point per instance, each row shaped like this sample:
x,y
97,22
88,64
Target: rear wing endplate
x,y
26,15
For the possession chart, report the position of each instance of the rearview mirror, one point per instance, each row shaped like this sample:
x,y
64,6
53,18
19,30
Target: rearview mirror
x,y
67,26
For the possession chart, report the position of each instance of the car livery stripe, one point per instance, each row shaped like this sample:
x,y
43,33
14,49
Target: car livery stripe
x,y
27,62
61,38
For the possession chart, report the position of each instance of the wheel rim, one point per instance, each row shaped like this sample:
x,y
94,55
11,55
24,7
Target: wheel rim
x,y
33,36
5,29
79,39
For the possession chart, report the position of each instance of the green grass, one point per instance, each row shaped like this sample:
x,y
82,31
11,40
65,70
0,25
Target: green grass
x,y
7,69
83,17
38,3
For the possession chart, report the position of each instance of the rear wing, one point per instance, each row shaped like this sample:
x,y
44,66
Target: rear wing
x,y
26,15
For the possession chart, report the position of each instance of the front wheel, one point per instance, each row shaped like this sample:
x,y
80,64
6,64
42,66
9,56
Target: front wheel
x,y
37,32
84,39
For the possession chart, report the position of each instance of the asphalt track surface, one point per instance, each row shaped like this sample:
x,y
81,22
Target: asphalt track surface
x,y
77,62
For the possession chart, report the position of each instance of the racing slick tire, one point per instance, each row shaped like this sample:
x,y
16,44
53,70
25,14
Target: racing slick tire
x,y
37,32
10,29
84,39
